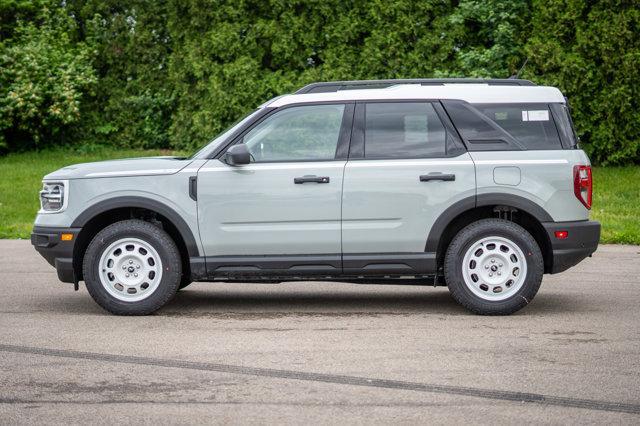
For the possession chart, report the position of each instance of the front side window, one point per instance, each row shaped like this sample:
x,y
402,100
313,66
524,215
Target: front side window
x,y
403,130
302,133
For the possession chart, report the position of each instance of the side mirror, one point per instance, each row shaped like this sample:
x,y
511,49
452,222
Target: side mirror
x,y
237,155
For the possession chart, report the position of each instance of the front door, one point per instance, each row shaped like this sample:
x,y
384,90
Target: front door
x,y
282,211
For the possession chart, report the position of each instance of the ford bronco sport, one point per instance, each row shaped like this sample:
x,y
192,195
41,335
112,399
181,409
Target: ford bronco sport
x,y
478,185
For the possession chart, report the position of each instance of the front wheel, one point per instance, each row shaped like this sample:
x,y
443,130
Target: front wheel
x,y
493,267
132,267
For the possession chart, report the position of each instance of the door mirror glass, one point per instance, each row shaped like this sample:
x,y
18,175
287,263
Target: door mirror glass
x,y
237,155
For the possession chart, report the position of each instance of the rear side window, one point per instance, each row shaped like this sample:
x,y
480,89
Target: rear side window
x,y
403,130
531,124
497,127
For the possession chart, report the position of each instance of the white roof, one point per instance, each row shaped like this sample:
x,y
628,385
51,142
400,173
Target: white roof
x,y
472,93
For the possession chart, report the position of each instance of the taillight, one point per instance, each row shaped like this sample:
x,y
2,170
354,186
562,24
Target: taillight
x,y
583,184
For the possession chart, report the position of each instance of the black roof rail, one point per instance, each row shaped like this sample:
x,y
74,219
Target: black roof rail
x,y
334,86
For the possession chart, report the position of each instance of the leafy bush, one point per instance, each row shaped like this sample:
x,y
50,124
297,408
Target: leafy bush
x,y
591,50
132,105
43,76
489,36
174,73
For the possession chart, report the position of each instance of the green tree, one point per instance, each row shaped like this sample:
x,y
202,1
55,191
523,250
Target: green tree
x,y
132,105
13,12
489,37
173,73
44,75
230,56
591,51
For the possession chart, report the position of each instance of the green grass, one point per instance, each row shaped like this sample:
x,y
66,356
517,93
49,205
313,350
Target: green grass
x,y
616,201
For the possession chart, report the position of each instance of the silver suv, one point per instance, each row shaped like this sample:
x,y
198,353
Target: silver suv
x,y
474,184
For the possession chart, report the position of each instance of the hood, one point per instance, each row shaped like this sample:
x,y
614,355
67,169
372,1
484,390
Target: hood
x,y
149,166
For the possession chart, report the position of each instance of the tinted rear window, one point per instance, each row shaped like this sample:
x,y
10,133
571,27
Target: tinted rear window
x,y
530,124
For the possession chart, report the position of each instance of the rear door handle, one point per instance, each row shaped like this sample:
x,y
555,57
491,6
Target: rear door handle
x,y
437,176
311,178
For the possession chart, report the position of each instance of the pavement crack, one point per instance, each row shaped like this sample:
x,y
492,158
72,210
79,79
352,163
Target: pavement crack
x,y
494,394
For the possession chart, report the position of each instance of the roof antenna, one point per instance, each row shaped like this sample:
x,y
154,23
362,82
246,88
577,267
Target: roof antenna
x,y
517,75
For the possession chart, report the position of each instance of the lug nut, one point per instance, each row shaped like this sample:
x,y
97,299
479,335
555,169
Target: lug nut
x,y
136,275
126,275
500,265
499,273
493,261
138,266
130,262
490,275
486,266
124,267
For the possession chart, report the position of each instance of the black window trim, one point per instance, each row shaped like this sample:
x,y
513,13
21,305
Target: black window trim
x,y
566,144
344,135
357,151
511,143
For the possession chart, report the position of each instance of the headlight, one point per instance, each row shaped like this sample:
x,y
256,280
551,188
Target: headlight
x,y
53,197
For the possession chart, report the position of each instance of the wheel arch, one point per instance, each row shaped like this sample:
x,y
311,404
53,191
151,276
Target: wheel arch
x,y
106,212
520,210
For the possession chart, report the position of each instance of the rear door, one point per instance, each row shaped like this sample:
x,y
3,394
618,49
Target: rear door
x,y
406,167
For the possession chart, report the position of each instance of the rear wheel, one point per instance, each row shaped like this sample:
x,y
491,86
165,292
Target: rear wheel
x,y
132,268
493,267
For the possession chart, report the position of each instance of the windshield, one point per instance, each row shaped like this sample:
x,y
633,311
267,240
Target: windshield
x,y
223,136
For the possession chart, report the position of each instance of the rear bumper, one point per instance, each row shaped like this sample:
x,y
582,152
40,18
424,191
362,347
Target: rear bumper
x,y
581,242
58,253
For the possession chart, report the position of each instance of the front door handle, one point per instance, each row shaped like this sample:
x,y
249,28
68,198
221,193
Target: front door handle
x,y
311,178
437,176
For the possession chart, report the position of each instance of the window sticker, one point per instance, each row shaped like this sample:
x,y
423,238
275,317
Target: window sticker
x,y
536,115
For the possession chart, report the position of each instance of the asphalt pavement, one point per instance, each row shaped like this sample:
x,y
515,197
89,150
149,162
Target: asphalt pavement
x,y
321,353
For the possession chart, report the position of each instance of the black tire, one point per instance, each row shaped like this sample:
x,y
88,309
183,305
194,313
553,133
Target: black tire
x,y
155,237
474,233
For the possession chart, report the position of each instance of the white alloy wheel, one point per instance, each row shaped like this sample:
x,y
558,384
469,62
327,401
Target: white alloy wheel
x,y
494,268
130,269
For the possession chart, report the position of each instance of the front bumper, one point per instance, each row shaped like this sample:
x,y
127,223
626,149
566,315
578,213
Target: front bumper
x,y
581,242
47,241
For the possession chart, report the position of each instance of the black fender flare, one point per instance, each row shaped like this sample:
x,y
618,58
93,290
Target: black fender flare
x,y
145,203
469,203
